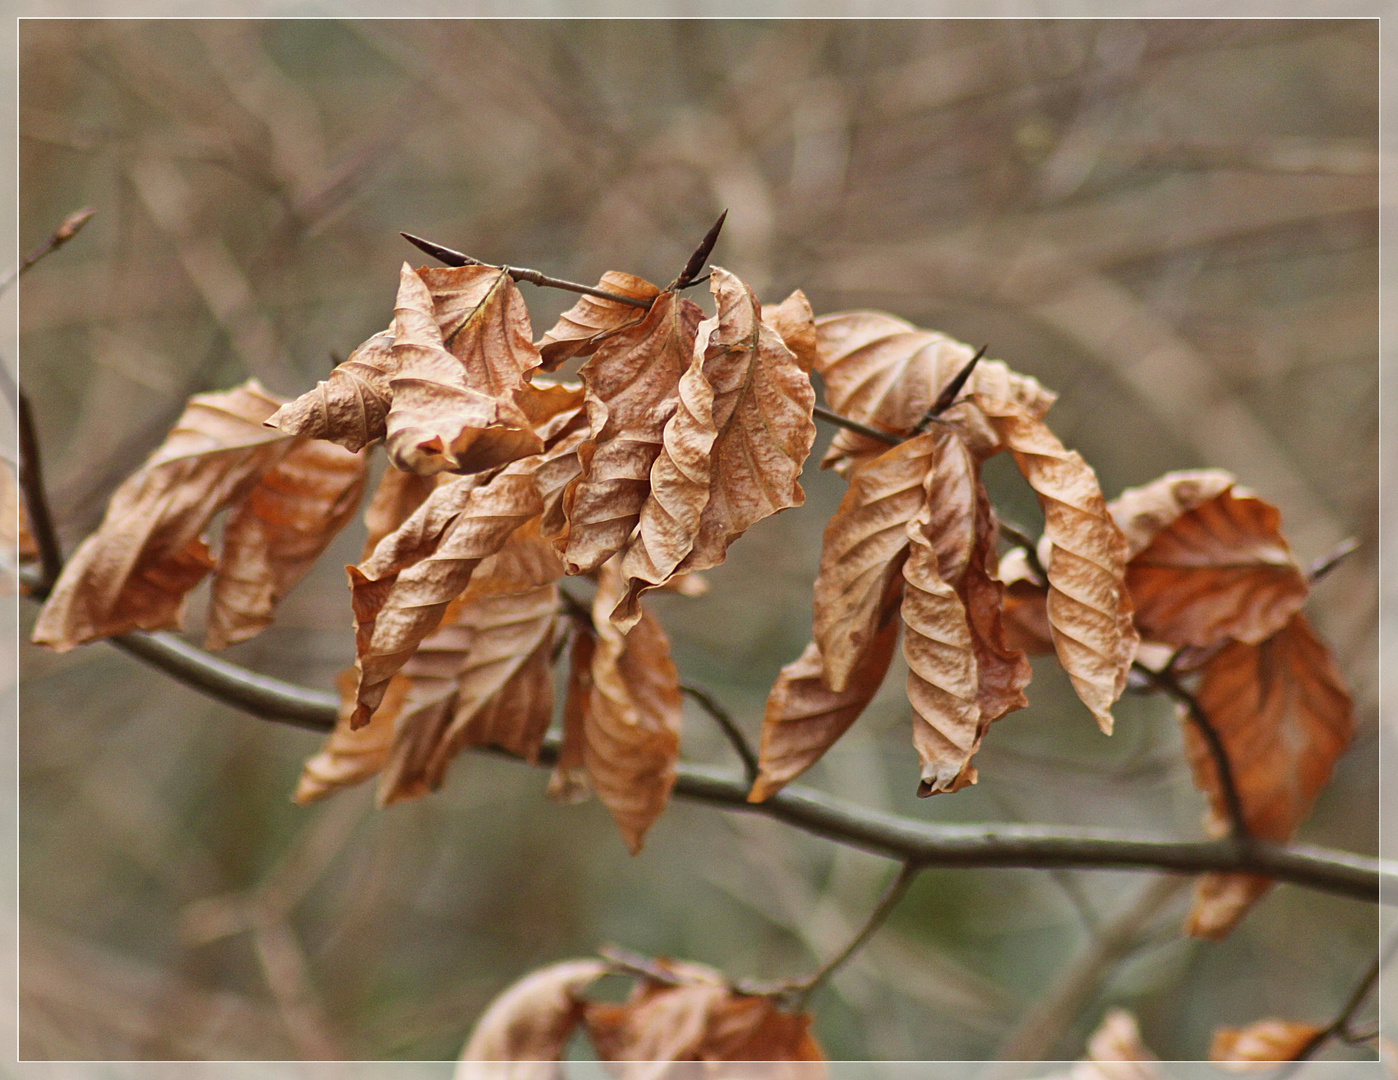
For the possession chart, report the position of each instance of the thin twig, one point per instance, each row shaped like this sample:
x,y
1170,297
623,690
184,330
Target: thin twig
x,y
1326,563
626,962
519,273
68,228
948,395
701,255
36,503
730,729
1031,548
1360,994
822,413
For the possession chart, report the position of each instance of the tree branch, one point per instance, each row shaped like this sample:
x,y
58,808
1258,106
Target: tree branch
x,y
68,228
729,728
36,505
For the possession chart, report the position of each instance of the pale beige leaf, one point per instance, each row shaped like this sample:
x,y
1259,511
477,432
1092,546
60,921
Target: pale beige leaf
x,y
1116,1051
1208,561
275,536
543,401
531,1021
632,383
462,343
1089,608
1284,717
350,756
134,572
795,322
351,407
592,319
1261,1044
885,372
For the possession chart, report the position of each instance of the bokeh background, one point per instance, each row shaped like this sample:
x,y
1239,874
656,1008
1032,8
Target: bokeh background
x,y
1172,223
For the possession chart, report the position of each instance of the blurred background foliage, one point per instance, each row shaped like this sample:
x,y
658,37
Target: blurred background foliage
x,y
1172,223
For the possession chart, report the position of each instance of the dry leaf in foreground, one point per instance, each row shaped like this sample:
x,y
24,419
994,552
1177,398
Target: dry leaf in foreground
x,y
1207,561
349,756
795,322
1255,1047
592,319
1284,716
351,407
134,572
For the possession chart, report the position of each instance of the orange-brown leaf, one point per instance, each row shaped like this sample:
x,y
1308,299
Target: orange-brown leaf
x,y
1263,1041
885,372
350,756
277,533
1025,614
351,407
461,340
1284,717
399,494
532,1020
134,572
1089,608
795,322
592,319
1208,561
632,383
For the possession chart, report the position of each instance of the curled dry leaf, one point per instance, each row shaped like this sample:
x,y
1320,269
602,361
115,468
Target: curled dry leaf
x,y
1089,609
351,407
885,372
795,322
1208,561
134,572
275,536
733,450
592,319
1284,717
632,385
531,1021
1246,1049
350,756
399,494
462,344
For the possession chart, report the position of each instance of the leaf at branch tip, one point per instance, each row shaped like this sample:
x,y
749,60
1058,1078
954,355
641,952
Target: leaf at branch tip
x,y
861,557
804,718
632,385
1284,716
733,451
592,319
1089,608
1261,1044
531,1021
885,372
1208,561
699,1017
399,594
795,322
278,532
134,572
349,756
351,407
461,357
631,726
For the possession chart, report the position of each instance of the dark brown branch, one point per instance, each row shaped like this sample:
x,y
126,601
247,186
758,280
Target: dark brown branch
x,y
519,273
689,275
1326,563
729,728
822,413
68,228
36,503
948,395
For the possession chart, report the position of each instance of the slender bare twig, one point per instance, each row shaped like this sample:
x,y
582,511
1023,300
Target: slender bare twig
x,y
625,962
822,413
1326,563
1340,1026
689,275
68,228
729,728
36,503
948,395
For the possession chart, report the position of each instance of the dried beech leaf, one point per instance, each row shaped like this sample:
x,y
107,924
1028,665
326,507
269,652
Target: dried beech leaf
x,y
1115,1051
700,1019
631,726
885,372
804,718
462,343
350,756
1089,608
733,451
351,407
277,533
1270,1041
398,495
531,1021
569,782
543,401
133,573
632,383
1208,561
587,323
1025,614
1284,717
795,322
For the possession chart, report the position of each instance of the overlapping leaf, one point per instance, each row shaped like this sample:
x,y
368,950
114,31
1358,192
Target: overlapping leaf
x,y
795,322
349,755
1240,1049
1208,561
1284,717
351,407
592,319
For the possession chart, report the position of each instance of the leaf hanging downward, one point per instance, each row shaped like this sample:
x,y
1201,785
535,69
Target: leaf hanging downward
x,y
592,319
134,572
531,1021
351,407
1284,717
350,756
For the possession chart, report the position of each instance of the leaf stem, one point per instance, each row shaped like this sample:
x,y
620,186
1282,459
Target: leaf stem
x,y
729,727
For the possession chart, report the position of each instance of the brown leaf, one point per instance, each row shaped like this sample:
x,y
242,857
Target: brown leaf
x,y
1264,1041
885,372
804,718
632,383
733,451
700,1019
569,782
134,572
461,339
1284,717
399,494
350,756
1025,614
631,725
351,407
1089,608
795,322
531,1021
1208,561
592,319
277,533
